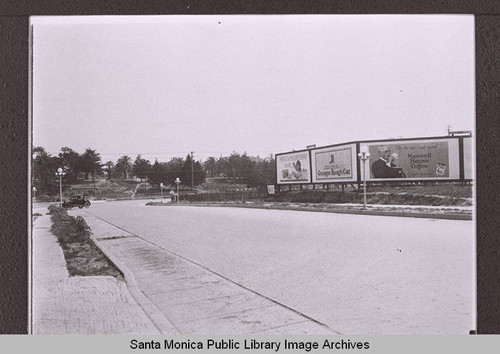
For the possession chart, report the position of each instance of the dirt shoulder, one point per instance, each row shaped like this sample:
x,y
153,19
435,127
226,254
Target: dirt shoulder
x,y
435,212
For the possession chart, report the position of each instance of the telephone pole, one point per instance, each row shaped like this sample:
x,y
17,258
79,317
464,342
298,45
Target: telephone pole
x,y
192,171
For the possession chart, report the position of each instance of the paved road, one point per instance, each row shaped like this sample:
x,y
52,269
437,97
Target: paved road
x,y
356,274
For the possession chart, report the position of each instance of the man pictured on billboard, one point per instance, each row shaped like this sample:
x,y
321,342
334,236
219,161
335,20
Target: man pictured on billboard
x,y
385,166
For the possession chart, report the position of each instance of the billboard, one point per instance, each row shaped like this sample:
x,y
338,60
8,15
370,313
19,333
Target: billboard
x,y
413,159
334,164
468,159
293,168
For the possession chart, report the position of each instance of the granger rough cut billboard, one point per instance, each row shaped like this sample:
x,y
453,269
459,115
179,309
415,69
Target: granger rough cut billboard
x,y
293,168
413,159
334,164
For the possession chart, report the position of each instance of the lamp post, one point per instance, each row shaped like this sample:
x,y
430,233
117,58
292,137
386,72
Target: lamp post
x,y
363,156
161,193
60,173
177,181
34,193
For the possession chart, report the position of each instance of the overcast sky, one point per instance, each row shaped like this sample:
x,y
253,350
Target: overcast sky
x,y
167,85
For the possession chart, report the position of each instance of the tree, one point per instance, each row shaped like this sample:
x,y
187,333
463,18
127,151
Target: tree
x,y
243,169
124,165
175,169
141,167
109,168
223,168
239,166
43,171
210,167
91,163
247,168
71,162
264,172
158,173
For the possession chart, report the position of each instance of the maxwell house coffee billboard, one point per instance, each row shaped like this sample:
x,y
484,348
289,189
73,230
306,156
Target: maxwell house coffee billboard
x,y
293,168
413,159
334,164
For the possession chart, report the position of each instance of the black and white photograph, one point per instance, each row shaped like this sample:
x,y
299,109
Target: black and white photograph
x,y
253,175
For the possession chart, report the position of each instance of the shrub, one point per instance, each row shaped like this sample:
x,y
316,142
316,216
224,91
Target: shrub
x,y
340,197
68,228
44,198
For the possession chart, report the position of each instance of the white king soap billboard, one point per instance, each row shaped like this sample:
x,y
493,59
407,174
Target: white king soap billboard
x,y
334,164
293,168
414,159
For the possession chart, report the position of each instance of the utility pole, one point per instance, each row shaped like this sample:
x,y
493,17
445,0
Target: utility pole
x,y
192,171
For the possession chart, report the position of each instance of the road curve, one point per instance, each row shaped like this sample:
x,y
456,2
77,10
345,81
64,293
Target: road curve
x,y
357,274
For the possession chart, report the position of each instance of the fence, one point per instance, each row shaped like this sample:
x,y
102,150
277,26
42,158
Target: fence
x,y
235,195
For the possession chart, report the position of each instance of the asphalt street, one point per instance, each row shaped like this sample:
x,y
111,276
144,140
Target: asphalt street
x,y
357,274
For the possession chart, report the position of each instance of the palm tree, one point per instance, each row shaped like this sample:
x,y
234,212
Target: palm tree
x,y
91,163
110,165
210,166
124,165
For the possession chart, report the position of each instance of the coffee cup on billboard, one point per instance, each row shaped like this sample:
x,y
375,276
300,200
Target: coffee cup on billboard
x,y
440,169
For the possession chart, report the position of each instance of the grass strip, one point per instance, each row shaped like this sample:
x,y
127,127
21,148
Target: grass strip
x,y
83,257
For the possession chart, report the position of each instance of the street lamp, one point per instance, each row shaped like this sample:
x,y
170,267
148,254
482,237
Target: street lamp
x,y
60,173
34,193
177,181
161,193
363,156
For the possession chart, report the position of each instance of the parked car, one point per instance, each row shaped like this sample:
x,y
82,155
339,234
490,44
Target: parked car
x,y
76,201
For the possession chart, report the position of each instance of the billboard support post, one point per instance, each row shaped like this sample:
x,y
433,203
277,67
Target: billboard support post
x,y
461,157
363,156
358,168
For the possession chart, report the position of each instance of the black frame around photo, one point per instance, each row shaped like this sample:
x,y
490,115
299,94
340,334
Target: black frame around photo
x,y
15,128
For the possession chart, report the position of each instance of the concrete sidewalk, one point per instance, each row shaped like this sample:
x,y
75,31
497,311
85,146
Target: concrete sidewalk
x,y
79,305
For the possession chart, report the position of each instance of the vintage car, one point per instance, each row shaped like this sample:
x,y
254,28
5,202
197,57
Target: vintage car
x,y
76,201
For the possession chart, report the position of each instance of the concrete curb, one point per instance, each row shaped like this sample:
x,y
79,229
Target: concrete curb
x,y
156,316
406,214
